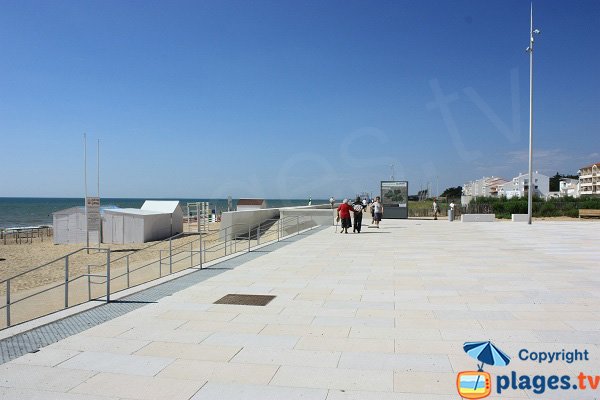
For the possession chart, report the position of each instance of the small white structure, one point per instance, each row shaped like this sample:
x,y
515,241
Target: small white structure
x,y
156,220
171,207
251,204
70,227
520,217
477,218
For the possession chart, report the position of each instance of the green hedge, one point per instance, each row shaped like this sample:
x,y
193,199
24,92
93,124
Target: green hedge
x,y
564,206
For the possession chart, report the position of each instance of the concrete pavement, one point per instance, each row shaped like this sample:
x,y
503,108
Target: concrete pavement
x,y
377,315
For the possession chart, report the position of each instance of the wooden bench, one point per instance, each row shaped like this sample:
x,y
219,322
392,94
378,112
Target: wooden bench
x,y
583,213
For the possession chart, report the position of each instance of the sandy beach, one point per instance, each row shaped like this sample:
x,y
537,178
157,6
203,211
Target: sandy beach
x,y
23,257
129,267
143,265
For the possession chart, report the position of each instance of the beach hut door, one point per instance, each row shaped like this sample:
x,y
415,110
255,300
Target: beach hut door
x,y
117,232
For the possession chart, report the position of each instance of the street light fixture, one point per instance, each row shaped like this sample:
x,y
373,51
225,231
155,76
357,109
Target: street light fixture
x,y
531,184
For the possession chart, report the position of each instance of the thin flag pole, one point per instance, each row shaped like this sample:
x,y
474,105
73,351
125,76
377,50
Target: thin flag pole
x,y
98,191
87,232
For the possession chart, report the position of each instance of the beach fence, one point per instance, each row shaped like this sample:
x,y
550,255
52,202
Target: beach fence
x,y
78,278
25,234
199,212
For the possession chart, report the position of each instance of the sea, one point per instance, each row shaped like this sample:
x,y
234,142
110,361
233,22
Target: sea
x,y
34,211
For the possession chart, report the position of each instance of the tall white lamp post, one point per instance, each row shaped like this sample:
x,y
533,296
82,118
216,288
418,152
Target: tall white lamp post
x,y
531,184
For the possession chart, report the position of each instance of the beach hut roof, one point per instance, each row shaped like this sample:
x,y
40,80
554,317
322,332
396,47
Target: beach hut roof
x,y
163,206
82,209
136,211
250,202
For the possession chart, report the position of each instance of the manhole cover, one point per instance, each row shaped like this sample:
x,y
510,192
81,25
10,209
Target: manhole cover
x,y
245,299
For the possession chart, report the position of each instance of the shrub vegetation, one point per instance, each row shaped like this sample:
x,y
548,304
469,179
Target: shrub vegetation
x,y
555,207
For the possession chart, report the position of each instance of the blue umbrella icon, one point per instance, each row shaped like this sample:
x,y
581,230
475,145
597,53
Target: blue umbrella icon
x,y
487,353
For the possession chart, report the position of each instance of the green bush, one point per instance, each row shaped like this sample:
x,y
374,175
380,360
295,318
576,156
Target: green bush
x,y
556,207
572,213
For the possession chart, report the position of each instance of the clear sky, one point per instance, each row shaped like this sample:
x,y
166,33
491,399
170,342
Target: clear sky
x,y
290,99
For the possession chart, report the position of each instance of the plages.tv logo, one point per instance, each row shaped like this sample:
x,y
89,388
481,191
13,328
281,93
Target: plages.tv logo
x,y
478,384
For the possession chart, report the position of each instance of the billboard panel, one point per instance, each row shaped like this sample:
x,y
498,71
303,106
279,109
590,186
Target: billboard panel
x,y
394,196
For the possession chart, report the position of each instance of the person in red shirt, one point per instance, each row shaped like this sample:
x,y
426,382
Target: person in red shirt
x,y
344,214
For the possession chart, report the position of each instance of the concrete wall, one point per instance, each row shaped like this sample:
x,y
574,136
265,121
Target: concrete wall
x,y
478,218
322,214
520,217
239,220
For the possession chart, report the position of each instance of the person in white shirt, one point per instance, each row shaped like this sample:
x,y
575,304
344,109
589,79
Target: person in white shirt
x,y
377,211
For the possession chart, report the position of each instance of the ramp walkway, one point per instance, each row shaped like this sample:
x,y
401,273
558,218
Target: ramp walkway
x,y
378,315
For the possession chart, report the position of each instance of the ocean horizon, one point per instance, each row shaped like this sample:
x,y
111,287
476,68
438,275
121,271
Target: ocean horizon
x,y
34,211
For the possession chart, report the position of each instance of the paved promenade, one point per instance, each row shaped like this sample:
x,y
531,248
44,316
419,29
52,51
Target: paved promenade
x,y
379,315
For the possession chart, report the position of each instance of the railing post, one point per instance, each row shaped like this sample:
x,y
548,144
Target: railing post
x,y
200,247
258,235
226,240
278,228
7,303
249,237
127,266
160,263
108,276
191,254
67,282
89,283
170,257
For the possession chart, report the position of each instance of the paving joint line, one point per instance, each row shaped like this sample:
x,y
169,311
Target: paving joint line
x,y
33,340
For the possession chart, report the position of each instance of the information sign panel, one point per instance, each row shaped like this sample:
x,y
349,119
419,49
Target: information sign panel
x,y
93,213
394,197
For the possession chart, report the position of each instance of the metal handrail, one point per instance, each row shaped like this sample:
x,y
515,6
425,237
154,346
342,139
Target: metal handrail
x,y
65,283
48,263
281,224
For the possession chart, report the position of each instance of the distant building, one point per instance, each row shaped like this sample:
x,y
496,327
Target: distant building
x,y
589,180
251,204
519,186
568,187
485,187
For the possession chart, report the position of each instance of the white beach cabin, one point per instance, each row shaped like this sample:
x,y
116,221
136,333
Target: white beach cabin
x,y
154,221
171,207
70,225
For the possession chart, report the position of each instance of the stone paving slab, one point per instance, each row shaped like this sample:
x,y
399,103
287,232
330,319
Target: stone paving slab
x,y
378,315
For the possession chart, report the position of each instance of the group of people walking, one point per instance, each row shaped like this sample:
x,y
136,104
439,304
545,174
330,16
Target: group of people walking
x,y
357,208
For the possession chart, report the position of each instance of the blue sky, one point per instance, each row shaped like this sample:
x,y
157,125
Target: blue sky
x,y
290,99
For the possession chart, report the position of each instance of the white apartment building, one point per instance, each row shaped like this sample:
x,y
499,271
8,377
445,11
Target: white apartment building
x,y
589,180
568,187
486,187
519,186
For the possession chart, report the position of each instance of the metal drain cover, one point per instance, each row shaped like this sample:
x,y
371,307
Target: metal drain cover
x,y
245,299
